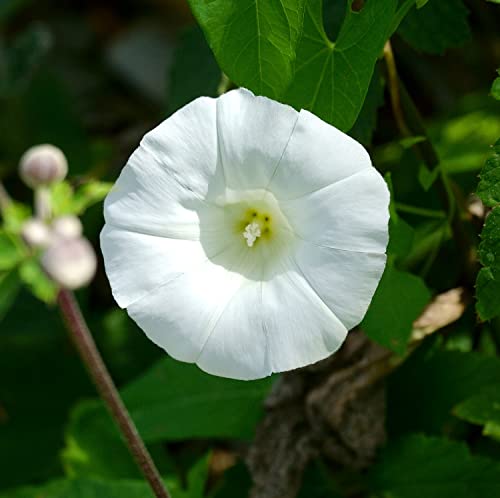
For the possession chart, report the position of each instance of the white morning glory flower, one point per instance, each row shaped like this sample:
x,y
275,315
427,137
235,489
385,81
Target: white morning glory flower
x,y
245,236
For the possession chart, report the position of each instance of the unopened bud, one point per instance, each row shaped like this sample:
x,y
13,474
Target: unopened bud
x,y
67,227
43,165
36,233
71,263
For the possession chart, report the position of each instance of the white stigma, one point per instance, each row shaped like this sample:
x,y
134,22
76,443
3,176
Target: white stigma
x,y
252,231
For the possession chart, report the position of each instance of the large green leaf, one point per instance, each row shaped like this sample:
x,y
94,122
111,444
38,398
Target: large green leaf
x,y
84,488
483,408
437,26
172,401
254,41
399,299
332,78
9,287
420,466
488,280
423,392
279,48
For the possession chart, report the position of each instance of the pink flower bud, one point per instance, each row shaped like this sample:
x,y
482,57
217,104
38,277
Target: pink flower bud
x,y
67,227
43,165
71,263
36,233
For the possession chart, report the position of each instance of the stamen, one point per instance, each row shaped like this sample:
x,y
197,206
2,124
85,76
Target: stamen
x,y
252,231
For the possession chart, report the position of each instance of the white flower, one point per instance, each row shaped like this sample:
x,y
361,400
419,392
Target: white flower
x,y
245,236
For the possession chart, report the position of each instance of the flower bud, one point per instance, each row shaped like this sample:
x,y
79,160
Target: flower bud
x,y
71,263
36,233
43,165
67,227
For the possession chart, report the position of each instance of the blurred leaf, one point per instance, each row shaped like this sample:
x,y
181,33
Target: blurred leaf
x,y
424,390
489,185
194,71
317,482
332,79
9,287
427,177
37,281
41,378
483,408
437,26
398,301
89,194
254,42
236,478
24,56
66,201
10,7
495,87
419,466
85,488
366,121
11,251
462,142
14,216
172,401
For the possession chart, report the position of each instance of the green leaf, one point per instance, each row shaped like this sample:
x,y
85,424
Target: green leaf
x,y
11,251
85,488
14,216
420,466
366,121
194,71
89,194
424,390
495,87
489,185
462,142
9,287
398,300
488,280
332,79
437,26
484,409
37,281
254,41
172,401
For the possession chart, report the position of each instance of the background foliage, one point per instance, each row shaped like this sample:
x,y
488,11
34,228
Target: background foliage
x,y
92,77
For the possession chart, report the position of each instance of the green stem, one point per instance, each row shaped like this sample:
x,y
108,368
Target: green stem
x,y
92,359
419,211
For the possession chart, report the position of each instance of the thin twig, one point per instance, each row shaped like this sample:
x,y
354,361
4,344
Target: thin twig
x,y
92,359
393,84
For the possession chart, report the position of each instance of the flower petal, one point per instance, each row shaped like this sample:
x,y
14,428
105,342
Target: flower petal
x,y
180,315
344,280
136,263
236,347
352,214
170,176
317,155
253,133
300,328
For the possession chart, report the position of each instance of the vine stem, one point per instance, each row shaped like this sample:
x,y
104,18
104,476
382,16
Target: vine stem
x,y
92,359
